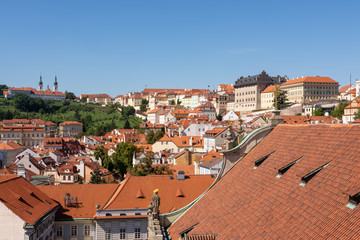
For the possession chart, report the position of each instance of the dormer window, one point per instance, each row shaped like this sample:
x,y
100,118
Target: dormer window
x,y
261,160
354,200
285,168
308,177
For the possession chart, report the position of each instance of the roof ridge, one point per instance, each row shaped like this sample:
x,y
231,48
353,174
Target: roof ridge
x,y
116,193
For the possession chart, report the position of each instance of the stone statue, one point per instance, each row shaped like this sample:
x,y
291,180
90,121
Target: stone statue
x,y
154,204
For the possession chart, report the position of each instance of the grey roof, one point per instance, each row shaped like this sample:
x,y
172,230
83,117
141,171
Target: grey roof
x,y
263,77
209,164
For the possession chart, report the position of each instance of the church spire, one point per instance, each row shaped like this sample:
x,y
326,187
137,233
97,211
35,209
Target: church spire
x,y
40,84
55,84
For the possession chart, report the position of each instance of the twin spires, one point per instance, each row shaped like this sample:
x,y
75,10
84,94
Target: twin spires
x,y
55,86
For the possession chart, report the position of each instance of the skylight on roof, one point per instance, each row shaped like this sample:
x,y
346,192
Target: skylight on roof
x,y
354,200
261,160
285,168
308,177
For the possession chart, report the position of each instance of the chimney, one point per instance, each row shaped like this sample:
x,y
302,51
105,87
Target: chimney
x,y
21,172
180,175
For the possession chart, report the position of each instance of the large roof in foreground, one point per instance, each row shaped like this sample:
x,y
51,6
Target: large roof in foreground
x,y
24,199
259,203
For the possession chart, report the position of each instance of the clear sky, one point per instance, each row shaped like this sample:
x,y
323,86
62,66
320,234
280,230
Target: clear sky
x,y
119,46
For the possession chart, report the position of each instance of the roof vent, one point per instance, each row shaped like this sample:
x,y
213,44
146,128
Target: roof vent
x,y
308,177
353,200
140,194
179,193
287,167
171,177
261,160
180,175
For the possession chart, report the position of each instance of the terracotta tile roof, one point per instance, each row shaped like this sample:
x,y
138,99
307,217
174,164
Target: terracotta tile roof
x,y
34,91
211,162
306,120
154,111
12,169
215,131
67,168
310,79
188,169
269,89
25,200
210,155
250,203
184,141
88,196
70,123
25,128
345,88
192,187
10,145
95,96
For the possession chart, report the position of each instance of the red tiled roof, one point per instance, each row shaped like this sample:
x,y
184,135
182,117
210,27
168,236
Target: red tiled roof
x,y
95,96
215,131
88,196
192,187
305,119
10,145
250,203
23,199
70,123
269,89
310,79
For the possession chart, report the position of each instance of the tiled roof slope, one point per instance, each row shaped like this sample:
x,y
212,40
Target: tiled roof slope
x,y
24,199
250,203
126,196
88,196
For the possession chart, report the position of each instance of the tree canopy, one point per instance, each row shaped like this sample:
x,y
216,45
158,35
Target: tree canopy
x,y
96,176
339,110
145,167
319,112
153,137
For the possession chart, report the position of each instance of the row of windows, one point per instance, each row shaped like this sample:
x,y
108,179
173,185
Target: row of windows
x,y
4,135
245,93
245,100
73,230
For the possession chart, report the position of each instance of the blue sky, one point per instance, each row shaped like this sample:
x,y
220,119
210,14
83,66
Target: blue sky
x,y
119,46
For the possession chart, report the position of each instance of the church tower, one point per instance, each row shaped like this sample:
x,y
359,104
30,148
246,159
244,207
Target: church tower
x,y
55,84
40,84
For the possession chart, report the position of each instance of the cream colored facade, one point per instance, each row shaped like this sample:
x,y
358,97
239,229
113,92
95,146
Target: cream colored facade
x,y
70,129
29,136
267,100
165,145
247,98
301,92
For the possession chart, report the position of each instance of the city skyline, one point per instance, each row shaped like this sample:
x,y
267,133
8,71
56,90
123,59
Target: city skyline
x,y
119,47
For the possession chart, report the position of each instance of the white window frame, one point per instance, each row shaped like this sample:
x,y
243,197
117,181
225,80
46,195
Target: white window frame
x,y
87,230
73,230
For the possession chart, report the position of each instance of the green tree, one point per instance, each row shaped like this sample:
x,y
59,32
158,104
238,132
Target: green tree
x,y
145,167
339,110
178,102
127,111
96,176
70,95
282,101
122,157
172,102
319,112
127,124
153,137
102,153
21,102
3,87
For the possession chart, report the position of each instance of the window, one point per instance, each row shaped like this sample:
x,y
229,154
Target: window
x,y
137,232
69,177
87,230
108,234
64,177
122,233
59,231
73,230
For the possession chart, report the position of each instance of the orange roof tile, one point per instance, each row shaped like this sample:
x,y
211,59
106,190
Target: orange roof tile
x,y
310,79
25,200
192,187
88,196
250,203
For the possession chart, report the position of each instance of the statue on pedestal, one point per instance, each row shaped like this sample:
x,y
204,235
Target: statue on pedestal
x,y
153,207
